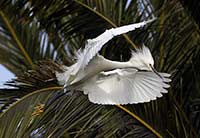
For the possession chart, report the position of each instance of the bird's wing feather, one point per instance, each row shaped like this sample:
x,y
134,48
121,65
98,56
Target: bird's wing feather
x,y
126,86
93,46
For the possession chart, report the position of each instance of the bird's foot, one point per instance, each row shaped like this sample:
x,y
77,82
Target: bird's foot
x,y
68,92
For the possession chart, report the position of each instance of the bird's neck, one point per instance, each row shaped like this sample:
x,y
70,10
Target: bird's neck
x,y
116,64
99,64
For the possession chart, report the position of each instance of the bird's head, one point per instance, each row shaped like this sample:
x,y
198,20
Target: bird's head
x,y
142,59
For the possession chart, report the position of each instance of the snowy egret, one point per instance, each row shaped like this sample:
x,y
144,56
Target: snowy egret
x,y
113,82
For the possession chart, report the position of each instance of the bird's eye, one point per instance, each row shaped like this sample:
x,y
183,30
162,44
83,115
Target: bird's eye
x,y
150,67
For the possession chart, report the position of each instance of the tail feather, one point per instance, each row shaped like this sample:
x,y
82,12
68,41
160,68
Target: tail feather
x,y
62,77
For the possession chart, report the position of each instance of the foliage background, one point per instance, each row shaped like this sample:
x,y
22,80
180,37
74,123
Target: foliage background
x,y
37,36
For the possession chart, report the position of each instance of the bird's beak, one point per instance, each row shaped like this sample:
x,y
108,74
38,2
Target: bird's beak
x,y
155,71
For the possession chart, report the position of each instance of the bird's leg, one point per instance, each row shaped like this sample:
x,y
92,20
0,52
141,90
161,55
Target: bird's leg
x,y
68,92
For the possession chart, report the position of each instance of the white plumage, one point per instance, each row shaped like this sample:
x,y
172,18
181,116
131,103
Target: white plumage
x,y
125,86
112,82
93,46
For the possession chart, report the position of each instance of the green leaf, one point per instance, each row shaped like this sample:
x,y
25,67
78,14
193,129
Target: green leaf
x,y
66,24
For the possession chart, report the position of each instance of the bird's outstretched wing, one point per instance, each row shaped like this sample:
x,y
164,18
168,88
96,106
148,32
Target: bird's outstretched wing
x,y
93,46
126,86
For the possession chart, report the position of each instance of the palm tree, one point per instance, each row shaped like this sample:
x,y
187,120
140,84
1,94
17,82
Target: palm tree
x,y
36,37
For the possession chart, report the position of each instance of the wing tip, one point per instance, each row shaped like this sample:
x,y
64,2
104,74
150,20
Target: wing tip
x,y
98,102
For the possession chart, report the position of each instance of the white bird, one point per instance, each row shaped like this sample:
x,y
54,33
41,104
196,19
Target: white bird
x,y
113,82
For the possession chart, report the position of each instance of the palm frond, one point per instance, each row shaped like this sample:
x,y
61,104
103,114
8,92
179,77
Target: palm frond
x,y
173,39
49,112
22,42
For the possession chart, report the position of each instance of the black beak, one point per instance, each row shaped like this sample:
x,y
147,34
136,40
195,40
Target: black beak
x,y
155,71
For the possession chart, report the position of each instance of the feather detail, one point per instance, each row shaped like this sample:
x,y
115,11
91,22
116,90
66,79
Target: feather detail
x,y
125,86
93,46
